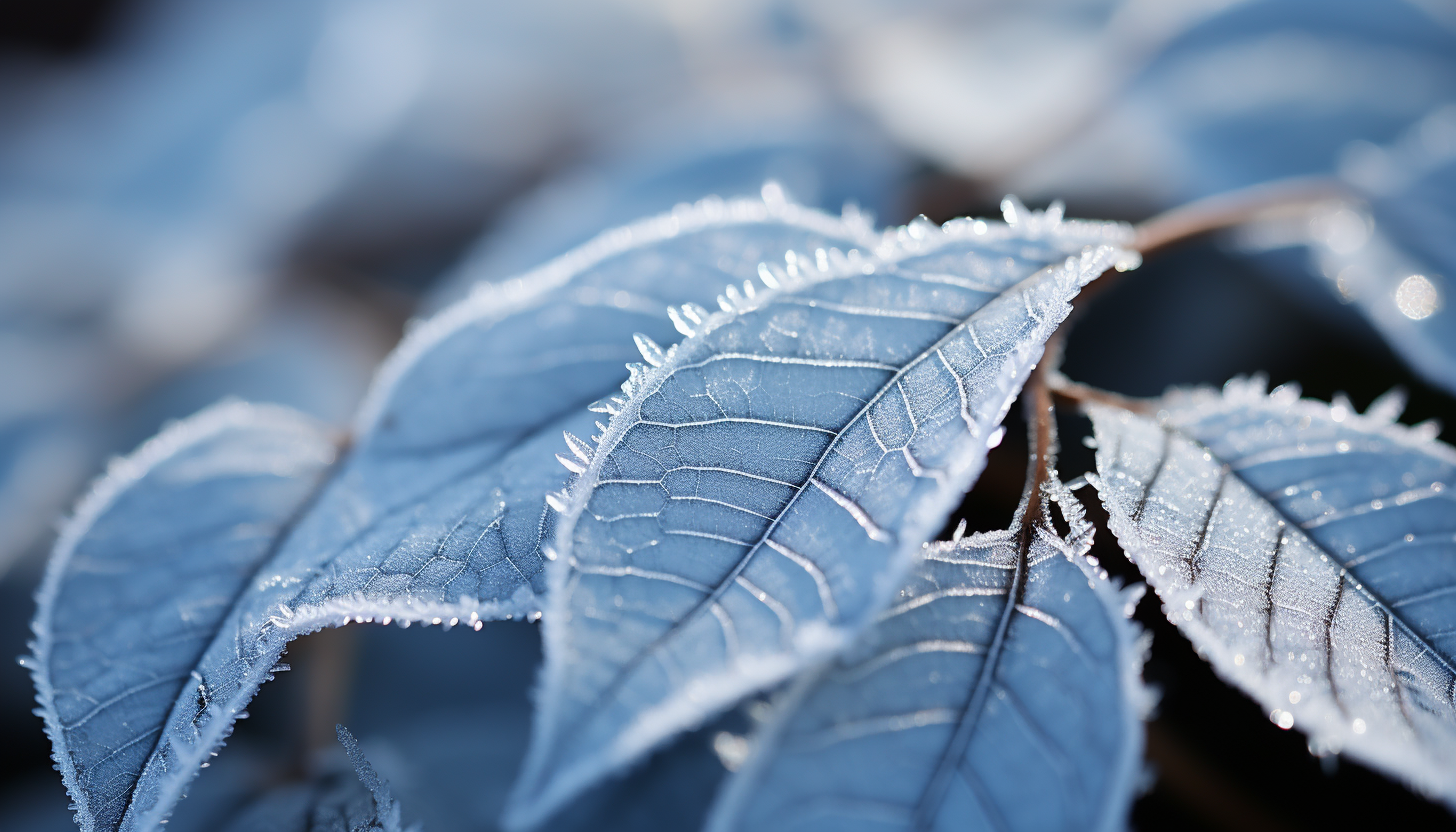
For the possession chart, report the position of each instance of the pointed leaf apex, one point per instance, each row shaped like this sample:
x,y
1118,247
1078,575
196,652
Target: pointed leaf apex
x,y
557,500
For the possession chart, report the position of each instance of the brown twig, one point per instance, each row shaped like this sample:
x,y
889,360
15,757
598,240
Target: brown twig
x,y
1271,200
1065,390
1291,197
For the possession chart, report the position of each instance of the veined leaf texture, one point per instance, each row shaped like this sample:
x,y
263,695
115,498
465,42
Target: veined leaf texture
x,y
763,488
1000,691
1306,550
435,515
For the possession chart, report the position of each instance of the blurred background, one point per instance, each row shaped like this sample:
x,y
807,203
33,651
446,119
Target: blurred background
x,y
202,199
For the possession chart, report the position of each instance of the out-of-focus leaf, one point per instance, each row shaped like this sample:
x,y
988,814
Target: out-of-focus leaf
x,y
1262,90
1396,259
1001,691
142,578
762,488
923,69
1307,551
823,164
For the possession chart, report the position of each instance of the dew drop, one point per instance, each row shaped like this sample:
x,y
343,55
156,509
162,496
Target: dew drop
x,y
1358,725
1239,659
1294,697
1416,297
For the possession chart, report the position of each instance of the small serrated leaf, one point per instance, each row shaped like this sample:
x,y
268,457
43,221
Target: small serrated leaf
x,y
1306,551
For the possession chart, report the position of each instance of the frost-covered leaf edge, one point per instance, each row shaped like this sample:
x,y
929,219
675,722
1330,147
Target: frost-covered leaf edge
x,y
1380,418
1105,245
120,474
493,301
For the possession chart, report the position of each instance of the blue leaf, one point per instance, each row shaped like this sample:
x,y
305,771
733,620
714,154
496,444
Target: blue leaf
x,y
1309,552
437,514
759,495
142,578
1394,261
1001,691
334,802
1278,88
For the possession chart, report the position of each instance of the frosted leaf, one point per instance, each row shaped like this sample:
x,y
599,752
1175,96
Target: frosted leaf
x,y
1002,691
1306,550
143,576
340,801
436,515
757,498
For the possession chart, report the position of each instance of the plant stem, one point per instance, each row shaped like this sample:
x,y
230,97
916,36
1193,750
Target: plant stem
x,y
1066,390
1282,199
1270,200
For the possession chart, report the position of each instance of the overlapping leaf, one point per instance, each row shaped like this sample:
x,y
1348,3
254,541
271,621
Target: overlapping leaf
x,y
436,515
1307,551
760,493
334,802
144,575
1000,692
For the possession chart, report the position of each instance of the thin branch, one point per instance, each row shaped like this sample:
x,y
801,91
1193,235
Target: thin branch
x,y
1271,200
1075,392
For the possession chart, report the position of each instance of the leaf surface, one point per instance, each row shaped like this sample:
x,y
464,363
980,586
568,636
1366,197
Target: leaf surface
x,y
437,513
759,495
1001,691
144,575
1307,552
335,802
1393,260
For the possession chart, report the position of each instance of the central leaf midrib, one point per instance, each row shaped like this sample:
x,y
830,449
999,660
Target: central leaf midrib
x,y
955,749
727,581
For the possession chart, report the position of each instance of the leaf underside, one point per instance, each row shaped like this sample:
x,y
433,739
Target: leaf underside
x,y
436,516
758,496
1309,552
143,576
1001,691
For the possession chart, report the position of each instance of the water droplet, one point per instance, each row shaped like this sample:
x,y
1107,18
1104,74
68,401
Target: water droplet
x,y
1358,725
1239,659
1416,297
1294,697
